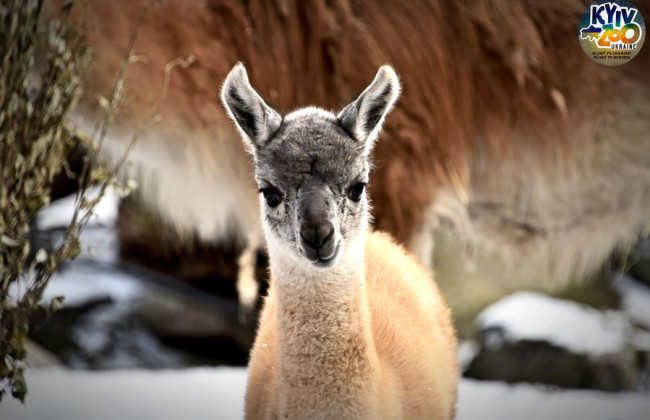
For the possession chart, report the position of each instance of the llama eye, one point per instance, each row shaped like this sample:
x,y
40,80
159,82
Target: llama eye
x,y
272,196
356,191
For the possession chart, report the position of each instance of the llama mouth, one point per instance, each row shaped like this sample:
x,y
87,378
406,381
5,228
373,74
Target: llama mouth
x,y
328,261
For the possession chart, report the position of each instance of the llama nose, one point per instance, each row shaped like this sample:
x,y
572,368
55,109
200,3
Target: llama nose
x,y
315,235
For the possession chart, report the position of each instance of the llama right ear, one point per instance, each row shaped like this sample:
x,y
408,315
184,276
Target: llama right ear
x,y
363,117
256,120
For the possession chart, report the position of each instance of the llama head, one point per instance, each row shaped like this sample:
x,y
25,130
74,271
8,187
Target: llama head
x,y
311,166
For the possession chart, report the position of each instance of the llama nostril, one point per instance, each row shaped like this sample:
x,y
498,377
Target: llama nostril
x,y
329,235
318,235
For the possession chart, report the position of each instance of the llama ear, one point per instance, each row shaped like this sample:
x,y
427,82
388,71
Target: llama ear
x,y
363,117
256,120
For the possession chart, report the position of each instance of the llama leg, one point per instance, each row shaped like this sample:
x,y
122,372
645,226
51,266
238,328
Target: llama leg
x,y
421,244
421,241
247,285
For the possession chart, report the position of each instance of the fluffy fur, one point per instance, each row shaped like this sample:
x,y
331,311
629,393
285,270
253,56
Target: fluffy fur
x,y
398,337
508,136
353,328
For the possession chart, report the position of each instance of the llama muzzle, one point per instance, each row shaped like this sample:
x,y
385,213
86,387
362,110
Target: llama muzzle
x,y
318,240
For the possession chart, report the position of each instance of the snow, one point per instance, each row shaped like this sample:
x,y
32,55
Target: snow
x,y
218,393
58,214
635,300
535,317
131,394
497,400
83,279
80,283
99,237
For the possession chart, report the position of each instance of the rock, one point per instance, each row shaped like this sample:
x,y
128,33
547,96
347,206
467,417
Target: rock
x,y
530,337
171,314
116,315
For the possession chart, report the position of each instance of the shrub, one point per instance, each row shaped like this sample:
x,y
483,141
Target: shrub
x,y
41,70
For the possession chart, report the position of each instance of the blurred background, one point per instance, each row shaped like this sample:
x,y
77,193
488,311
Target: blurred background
x,y
516,168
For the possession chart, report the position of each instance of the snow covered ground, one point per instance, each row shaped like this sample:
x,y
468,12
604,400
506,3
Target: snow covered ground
x,y
537,317
59,213
218,393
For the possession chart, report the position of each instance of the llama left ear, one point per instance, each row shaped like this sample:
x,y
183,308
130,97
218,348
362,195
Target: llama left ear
x,y
256,120
363,117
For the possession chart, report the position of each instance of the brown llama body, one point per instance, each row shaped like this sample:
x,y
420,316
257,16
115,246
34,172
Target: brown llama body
x,y
507,134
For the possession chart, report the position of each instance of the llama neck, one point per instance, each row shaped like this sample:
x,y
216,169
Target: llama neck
x,y
325,350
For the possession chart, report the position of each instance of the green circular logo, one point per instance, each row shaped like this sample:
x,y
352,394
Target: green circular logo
x,y
611,33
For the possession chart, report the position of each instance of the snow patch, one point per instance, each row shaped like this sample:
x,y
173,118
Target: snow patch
x,y
635,300
80,283
534,316
58,214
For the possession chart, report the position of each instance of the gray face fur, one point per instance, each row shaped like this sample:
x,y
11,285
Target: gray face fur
x,y
311,166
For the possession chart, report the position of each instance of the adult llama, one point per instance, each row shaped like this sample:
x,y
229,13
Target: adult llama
x,y
507,137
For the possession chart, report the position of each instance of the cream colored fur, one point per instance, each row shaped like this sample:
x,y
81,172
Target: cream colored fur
x,y
369,339
353,327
